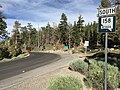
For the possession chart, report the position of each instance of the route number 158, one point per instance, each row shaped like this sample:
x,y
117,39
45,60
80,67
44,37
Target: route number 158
x,y
106,20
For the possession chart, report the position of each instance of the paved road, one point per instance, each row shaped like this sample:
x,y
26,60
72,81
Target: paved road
x,y
9,69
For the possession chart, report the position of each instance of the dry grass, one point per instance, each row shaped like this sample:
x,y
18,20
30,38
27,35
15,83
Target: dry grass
x,y
15,58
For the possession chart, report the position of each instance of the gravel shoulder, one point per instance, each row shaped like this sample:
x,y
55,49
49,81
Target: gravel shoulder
x,y
39,78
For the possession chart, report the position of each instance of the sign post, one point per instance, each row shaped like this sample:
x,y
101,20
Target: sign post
x,y
105,64
107,23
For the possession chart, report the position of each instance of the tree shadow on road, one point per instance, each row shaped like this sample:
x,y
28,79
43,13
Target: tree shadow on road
x,y
113,58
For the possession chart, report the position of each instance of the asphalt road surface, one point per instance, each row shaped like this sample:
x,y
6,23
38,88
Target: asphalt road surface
x,y
35,60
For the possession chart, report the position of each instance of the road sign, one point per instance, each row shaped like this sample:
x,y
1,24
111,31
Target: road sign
x,y
107,11
107,24
65,47
86,43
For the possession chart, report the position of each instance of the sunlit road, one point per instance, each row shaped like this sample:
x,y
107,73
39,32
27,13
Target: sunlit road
x,y
35,60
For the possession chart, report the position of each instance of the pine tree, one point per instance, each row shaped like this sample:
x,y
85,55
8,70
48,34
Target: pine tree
x,y
15,45
80,30
95,34
48,33
105,4
63,31
43,37
16,34
32,33
56,34
3,25
33,36
70,30
38,37
24,36
87,29
118,22
91,34
76,34
3,34
29,28
116,37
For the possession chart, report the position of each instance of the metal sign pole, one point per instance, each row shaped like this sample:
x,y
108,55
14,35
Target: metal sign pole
x,y
105,64
86,50
107,23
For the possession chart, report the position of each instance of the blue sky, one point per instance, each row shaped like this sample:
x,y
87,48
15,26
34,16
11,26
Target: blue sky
x,y
40,12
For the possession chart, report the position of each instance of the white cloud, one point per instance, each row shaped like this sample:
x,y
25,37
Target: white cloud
x,y
43,11
10,23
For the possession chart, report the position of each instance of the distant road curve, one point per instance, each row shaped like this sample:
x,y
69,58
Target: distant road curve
x,y
35,60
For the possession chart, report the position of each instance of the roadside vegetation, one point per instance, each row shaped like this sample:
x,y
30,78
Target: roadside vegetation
x,y
65,83
23,55
94,74
79,66
113,58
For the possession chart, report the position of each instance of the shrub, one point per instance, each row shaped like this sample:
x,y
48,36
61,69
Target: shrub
x,y
95,77
113,76
14,52
119,78
87,82
79,66
65,83
113,58
4,53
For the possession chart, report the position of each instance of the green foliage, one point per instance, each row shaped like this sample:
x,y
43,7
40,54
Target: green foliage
x,y
65,83
91,35
63,29
8,51
4,53
33,36
24,36
15,58
94,72
87,82
76,34
113,77
47,31
80,30
29,36
95,76
14,52
79,66
16,41
119,78
105,3
113,58
29,28
3,25
117,34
